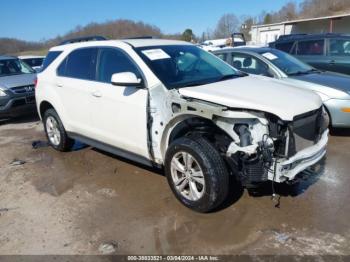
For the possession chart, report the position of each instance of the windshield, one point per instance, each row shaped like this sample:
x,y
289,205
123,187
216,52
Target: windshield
x,y
185,65
34,62
10,67
287,63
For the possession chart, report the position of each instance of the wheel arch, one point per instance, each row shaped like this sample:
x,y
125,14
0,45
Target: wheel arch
x,y
44,106
188,124
329,115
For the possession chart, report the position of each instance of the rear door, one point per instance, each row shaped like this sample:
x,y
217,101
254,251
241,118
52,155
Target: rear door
x,y
313,52
339,55
75,82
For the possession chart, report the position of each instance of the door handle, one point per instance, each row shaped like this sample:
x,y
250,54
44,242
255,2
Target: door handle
x,y
59,85
96,94
332,62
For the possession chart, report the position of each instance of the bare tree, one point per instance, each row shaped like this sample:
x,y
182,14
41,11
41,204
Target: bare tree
x,y
288,12
227,25
246,27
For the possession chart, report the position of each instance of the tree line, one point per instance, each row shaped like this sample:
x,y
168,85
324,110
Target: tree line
x,y
226,25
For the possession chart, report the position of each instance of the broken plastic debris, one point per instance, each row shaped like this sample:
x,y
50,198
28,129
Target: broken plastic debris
x,y
17,162
39,144
108,248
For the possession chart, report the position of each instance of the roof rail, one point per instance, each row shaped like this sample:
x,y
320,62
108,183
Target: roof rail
x,y
83,39
282,37
140,37
8,56
298,36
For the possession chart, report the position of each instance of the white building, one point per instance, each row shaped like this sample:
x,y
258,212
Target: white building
x,y
264,34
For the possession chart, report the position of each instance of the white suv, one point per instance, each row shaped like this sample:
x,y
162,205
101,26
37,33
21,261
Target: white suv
x,y
170,104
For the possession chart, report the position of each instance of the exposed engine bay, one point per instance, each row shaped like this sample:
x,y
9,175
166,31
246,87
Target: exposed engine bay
x,y
265,148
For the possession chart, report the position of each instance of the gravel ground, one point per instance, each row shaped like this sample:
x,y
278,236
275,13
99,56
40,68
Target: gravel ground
x,y
90,202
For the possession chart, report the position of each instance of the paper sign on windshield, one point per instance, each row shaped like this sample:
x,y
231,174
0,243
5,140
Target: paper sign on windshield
x,y
269,56
156,54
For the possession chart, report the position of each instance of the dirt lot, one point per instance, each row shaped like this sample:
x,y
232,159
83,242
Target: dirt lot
x,y
89,202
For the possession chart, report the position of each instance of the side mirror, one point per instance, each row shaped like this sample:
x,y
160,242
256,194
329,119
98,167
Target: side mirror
x,y
126,79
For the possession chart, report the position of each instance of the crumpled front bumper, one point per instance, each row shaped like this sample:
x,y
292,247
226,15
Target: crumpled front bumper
x,y
288,169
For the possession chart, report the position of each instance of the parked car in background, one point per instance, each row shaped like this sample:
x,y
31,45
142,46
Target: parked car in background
x,y
34,61
236,39
333,88
169,103
16,87
329,52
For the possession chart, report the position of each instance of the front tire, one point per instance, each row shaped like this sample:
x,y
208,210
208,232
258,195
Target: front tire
x,y
55,133
197,174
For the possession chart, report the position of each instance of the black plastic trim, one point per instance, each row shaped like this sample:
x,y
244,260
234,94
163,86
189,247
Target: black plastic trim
x,y
111,149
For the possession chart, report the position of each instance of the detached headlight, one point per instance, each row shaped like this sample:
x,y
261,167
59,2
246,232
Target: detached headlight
x,y
2,93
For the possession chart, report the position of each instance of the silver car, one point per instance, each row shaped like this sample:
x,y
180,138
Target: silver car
x,y
333,88
33,61
17,95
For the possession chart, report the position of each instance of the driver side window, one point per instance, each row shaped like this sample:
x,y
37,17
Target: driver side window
x,y
112,61
250,65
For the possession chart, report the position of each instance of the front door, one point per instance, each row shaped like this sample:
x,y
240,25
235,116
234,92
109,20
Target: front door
x,y
119,113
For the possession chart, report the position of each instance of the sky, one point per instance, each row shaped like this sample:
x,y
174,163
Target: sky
x,y
36,20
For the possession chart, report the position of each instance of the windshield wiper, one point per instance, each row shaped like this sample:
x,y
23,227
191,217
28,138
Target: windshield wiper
x,y
194,84
227,77
313,70
298,73
223,78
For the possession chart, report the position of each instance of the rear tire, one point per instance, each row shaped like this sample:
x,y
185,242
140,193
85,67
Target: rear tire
x,y
197,174
55,133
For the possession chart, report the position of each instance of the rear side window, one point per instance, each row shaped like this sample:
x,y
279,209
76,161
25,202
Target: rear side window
x,y
250,64
286,47
222,56
312,47
112,61
79,64
51,56
339,47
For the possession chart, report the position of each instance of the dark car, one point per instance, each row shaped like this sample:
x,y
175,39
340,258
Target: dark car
x,y
329,52
333,88
17,95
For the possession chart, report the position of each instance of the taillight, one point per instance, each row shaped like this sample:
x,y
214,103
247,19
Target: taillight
x,y
35,82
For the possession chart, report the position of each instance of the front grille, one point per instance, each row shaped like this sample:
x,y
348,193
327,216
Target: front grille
x,y
23,89
18,103
307,129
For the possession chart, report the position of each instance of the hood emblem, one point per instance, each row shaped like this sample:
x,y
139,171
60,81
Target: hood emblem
x,y
29,89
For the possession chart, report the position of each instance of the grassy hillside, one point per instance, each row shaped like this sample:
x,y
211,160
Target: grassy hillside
x,y
112,30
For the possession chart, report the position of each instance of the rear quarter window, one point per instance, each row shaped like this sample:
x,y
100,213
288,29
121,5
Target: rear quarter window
x,y
222,56
51,56
286,47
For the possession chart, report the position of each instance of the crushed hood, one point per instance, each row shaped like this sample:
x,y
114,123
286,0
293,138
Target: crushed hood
x,y
257,93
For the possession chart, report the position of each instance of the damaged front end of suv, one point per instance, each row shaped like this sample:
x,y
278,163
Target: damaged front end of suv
x,y
257,146
207,121
269,149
